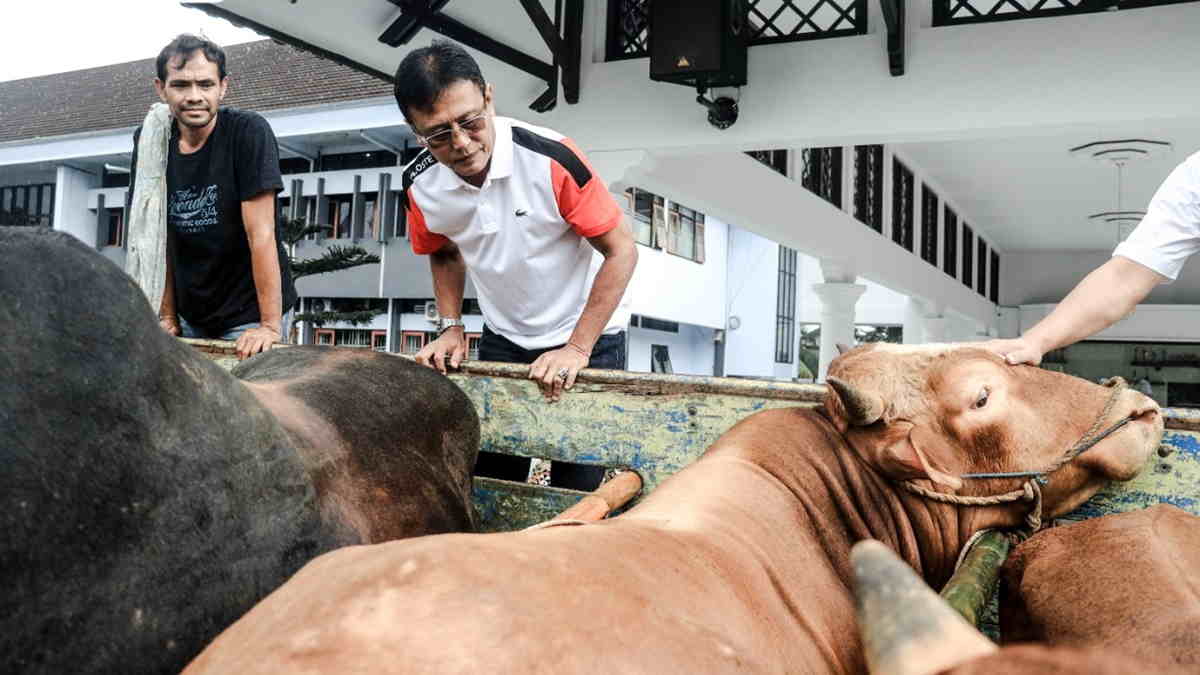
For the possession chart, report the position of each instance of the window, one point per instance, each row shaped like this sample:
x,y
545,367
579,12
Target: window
x,y
775,159
411,341
767,22
994,271
358,160
363,338
864,333
785,306
929,225
902,205
288,165
358,304
822,173
401,216
643,207
959,12
981,272
370,214
285,209
655,324
628,29
685,232
868,185
116,227
473,345
968,251
339,216
810,350
950,242
27,205
660,359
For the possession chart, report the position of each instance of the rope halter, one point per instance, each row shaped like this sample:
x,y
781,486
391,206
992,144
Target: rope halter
x,y
1031,489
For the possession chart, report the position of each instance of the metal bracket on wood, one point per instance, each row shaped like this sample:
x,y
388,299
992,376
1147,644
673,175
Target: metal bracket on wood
x,y
893,18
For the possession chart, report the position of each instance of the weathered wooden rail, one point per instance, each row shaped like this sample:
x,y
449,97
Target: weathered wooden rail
x,y
656,424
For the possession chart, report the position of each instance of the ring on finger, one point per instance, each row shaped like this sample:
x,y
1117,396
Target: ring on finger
x,y
563,373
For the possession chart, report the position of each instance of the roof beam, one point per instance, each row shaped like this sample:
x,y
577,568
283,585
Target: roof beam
x,y
407,26
543,24
381,143
262,29
460,32
893,18
572,49
417,14
298,151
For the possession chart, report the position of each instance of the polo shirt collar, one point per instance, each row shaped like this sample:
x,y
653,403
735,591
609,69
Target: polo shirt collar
x,y
502,160
502,154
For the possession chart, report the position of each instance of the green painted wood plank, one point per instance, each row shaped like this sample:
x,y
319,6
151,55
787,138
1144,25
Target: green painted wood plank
x,y
503,505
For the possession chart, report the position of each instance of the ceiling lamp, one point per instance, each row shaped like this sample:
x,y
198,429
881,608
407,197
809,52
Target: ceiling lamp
x,y
1118,154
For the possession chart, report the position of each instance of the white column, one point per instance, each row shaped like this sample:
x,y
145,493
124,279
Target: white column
x,y
71,212
936,328
837,319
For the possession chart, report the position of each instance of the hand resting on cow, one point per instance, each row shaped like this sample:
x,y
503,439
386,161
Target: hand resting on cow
x,y
740,562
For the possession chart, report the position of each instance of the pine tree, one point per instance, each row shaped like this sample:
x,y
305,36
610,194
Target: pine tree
x,y
333,259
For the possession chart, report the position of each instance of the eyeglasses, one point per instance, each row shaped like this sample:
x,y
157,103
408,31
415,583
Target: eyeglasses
x,y
472,125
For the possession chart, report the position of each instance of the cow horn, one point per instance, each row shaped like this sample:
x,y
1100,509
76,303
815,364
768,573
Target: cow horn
x,y
842,348
906,628
862,408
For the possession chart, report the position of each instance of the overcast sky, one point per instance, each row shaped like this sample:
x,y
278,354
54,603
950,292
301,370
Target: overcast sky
x,y
54,36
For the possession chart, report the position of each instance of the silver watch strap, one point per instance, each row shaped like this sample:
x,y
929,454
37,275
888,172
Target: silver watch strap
x,y
447,323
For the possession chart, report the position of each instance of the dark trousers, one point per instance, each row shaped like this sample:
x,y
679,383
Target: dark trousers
x,y
608,353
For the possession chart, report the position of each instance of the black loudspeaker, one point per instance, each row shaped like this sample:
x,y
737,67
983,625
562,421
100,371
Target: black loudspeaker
x,y
699,43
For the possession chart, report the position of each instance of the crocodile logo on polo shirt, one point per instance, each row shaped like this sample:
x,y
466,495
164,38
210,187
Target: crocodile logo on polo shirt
x,y
519,212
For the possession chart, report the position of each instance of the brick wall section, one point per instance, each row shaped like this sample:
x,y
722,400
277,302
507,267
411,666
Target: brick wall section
x,y
263,76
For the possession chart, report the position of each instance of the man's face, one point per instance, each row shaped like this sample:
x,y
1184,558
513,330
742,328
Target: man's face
x,y
193,89
467,151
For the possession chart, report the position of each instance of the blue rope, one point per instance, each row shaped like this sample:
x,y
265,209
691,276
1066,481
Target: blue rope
x,y
1042,477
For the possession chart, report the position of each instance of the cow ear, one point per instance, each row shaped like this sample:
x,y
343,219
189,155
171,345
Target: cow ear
x,y
920,454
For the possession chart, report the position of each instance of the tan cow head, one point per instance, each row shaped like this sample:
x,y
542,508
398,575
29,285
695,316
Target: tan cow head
x,y
939,411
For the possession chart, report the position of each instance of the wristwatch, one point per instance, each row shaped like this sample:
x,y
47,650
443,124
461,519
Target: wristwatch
x,y
445,323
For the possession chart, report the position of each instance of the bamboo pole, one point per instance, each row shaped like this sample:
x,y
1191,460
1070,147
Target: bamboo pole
x,y
972,585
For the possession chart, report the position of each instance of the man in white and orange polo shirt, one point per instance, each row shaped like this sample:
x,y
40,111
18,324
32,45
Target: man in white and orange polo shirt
x,y
520,210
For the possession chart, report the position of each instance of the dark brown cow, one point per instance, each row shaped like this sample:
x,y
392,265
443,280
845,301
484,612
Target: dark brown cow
x,y
148,498
738,563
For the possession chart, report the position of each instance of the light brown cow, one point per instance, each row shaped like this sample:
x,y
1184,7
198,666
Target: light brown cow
x,y
908,630
1129,582
739,562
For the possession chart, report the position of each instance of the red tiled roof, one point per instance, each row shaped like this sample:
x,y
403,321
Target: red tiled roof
x,y
263,75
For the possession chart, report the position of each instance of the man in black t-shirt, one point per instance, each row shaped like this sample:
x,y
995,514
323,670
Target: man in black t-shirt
x,y
227,273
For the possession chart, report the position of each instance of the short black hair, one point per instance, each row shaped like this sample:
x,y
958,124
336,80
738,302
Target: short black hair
x,y
184,46
426,72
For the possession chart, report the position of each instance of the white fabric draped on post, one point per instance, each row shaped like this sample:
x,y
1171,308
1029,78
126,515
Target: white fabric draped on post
x,y
146,259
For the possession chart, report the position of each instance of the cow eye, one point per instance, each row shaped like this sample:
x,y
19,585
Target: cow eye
x,y
982,399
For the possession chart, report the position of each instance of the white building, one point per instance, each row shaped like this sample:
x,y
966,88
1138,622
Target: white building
x,y
945,200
